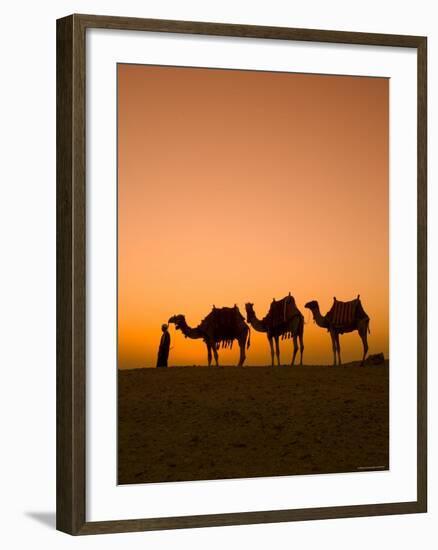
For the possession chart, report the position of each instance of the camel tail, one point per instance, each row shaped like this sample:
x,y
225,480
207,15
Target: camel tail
x,y
368,327
249,338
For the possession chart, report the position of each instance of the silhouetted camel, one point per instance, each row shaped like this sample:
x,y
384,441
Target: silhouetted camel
x,y
221,326
283,319
342,317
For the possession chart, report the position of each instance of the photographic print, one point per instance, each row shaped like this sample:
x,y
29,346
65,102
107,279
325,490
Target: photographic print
x,y
253,273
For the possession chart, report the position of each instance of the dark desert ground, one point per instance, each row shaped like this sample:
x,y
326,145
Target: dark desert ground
x,y
194,423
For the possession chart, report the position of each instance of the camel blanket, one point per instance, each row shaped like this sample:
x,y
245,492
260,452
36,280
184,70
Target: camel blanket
x,y
281,311
345,313
227,323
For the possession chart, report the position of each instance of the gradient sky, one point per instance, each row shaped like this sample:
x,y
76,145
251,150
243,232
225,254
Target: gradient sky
x,y
238,186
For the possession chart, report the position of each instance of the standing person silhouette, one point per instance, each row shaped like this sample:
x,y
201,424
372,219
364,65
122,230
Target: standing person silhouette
x,y
163,350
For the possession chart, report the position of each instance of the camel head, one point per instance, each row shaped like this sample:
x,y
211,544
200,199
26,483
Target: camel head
x,y
249,311
312,305
177,320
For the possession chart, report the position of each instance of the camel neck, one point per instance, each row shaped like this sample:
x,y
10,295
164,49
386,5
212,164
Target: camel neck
x,y
319,319
256,323
190,332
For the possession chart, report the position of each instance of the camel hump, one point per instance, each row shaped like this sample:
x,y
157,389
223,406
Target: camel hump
x,y
345,313
281,311
224,316
224,322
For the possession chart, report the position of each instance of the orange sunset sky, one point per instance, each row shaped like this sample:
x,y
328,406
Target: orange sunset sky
x,y
237,186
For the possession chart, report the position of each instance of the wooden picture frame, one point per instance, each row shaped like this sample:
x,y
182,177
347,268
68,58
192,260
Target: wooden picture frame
x,y
71,273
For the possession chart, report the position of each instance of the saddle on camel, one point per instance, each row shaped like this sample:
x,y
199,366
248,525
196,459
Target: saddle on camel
x,y
343,315
280,313
226,322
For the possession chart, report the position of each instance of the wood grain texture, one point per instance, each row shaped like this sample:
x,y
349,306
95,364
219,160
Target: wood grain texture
x,y
70,277
422,275
248,31
71,269
247,518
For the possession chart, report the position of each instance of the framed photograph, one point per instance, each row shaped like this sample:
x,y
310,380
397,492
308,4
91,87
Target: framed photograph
x,y
241,274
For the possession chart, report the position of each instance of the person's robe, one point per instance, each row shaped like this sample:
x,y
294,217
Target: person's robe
x,y
163,350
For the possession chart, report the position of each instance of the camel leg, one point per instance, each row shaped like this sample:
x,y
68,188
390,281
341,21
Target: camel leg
x,y
272,350
338,347
332,335
364,337
277,350
209,355
242,344
301,337
216,358
295,350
